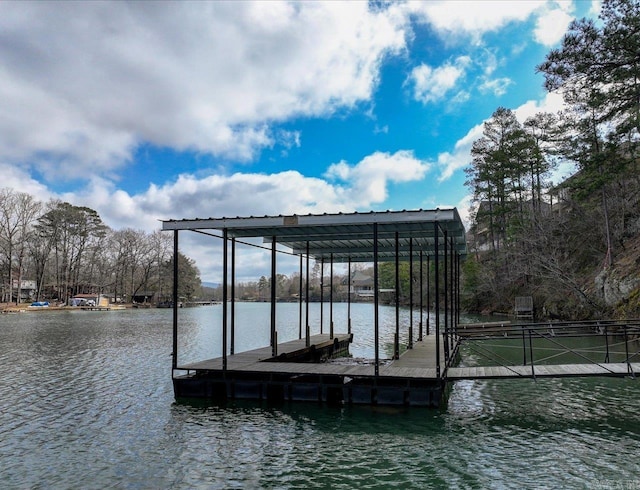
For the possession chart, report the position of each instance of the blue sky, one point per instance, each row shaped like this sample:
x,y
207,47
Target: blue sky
x,y
158,110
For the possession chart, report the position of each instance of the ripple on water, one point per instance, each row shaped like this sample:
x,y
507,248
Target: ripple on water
x,y
86,402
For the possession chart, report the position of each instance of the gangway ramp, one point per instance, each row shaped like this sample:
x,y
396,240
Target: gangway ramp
x,y
618,369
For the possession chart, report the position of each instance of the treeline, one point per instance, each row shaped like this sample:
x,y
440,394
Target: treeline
x,y
55,250
556,244
288,287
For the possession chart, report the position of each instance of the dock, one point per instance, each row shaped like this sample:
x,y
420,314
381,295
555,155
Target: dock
x,y
293,375
305,369
100,308
318,367
322,371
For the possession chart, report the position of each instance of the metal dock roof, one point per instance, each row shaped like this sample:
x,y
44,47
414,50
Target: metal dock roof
x,y
346,236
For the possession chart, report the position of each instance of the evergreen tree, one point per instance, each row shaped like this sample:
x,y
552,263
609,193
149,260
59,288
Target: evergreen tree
x,y
597,70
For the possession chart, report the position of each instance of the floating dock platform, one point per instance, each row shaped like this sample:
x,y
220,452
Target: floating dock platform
x,y
312,372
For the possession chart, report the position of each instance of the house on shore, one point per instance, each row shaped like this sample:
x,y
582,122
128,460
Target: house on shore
x,y
90,299
361,285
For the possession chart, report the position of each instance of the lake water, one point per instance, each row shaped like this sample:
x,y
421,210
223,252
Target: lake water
x,y
86,402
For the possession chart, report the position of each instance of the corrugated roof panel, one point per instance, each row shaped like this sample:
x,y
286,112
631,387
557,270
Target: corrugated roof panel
x,y
345,236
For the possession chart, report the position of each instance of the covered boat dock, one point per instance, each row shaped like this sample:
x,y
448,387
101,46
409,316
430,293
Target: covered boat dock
x,y
431,241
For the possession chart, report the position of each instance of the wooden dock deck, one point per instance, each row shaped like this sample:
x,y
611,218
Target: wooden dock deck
x,y
419,362
262,360
256,374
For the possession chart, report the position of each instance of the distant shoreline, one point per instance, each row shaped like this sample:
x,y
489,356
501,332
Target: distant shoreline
x,y
24,307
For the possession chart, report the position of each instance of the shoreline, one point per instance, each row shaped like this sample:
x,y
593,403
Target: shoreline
x,y
21,308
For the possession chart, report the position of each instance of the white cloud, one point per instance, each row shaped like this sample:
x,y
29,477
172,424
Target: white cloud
x,y
366,182
470,18
490,62
461,156
464,210
460,98
432,84
16,178
552,102
346,188
496,86
86,82
596,8
552,24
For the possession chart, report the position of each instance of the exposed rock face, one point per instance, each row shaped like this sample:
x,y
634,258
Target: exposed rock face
x,y
613,289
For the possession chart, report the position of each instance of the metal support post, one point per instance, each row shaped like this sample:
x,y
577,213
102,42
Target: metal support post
x,y
331,297
446,300
300,301
225,281
321,295
174,353
421,297
274,334
376,300
233,296
349,296
410,293
306,297
396,343
429,294
437,293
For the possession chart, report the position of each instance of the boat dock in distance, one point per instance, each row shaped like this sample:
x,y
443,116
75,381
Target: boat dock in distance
x,y
314,367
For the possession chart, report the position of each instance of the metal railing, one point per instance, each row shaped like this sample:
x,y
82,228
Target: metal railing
x,y
543,343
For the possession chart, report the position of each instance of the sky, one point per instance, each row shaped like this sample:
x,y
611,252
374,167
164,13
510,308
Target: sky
x,y
149,111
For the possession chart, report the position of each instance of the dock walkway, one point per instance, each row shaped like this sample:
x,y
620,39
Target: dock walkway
x,y
307,373
418,362
610,369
